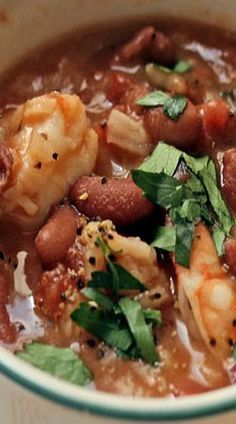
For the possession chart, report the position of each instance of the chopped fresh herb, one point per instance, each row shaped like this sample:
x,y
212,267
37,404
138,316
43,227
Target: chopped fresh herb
x,y
217,202
159,188
156,98
104,325
184,237
153,315
198,199
182,66
175,106
140,330
219,237
105,280
165,238
98,297
59,362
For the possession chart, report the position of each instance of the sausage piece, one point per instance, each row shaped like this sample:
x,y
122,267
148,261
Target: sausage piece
x,y
56,236
117,199
229,178
181,133
151,44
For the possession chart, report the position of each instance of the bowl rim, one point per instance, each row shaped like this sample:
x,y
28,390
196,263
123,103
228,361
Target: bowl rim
x,y
115,406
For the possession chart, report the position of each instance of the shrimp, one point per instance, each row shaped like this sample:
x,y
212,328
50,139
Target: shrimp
x,y
52,144
207,296
131,253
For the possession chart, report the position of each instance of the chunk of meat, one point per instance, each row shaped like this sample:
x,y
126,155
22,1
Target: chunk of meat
x,y
52,145
150,44
229,178
56,236
56,288
117,199
7,329
230,255
124,93
182,133
218,124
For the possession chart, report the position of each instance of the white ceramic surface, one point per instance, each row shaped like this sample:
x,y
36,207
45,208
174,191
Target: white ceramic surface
x,y
24,24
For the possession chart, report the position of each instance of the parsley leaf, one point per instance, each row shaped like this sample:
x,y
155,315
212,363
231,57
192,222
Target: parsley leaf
x,y
105,280
59,362
182,66
98,297
165,238
104,325
160,189
153,99
140,330
197,199
184,237
175,106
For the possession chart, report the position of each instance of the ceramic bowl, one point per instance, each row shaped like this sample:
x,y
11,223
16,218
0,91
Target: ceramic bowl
x,y
28,396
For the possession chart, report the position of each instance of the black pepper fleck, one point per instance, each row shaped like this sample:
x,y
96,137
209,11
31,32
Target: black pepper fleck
x,y
55,156
110,236
234,323
1,256
92,260
91,343
80,284
103,180
230,342
213,342
38,165
112,257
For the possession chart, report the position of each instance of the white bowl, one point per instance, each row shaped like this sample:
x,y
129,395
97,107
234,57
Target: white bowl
x,y
28,396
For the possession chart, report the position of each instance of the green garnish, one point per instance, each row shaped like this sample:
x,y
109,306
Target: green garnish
x,y
173,106
140,330
104,325
59,362
182,67
98,297
119,322
156,98
198,199
121,328
123,279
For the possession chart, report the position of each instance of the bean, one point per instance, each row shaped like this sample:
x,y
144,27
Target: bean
x,y
56,236
117,199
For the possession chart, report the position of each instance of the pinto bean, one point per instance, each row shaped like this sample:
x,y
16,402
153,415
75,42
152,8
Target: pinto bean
x,y
7,329
117,199
151,44
6,162
230,255
181,133
229,178
56,236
